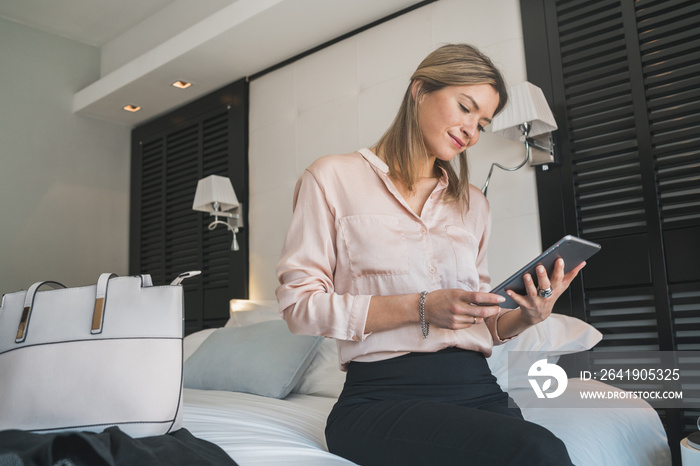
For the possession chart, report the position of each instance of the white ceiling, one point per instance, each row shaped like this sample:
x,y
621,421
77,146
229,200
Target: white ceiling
x,y
148,44
92,22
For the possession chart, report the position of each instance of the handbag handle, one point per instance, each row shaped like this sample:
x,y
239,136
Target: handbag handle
x,y
98,315
27,310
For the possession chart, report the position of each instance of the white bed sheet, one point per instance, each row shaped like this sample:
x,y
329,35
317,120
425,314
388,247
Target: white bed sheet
x,y
608,435
256,430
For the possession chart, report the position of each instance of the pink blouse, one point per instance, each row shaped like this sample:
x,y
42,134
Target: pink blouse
x,y
353,236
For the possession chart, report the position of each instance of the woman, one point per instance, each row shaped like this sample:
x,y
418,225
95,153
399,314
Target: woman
x,y
386,253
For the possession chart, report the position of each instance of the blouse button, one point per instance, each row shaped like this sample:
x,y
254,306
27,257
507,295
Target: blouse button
x,y
432,270
422,231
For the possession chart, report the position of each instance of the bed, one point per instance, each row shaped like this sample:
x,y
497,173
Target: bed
x,y
263,394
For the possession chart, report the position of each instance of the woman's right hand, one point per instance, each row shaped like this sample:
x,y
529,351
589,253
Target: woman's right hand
x,y
457,309
453,309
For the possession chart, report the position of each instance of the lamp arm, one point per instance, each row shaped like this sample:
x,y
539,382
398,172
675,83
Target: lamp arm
x,y
233,229
508,169
216,222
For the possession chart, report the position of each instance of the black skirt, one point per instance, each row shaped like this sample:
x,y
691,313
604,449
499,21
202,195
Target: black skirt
x,y
438,408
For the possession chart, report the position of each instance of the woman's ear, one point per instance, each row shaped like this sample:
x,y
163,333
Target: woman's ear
x,y
415,88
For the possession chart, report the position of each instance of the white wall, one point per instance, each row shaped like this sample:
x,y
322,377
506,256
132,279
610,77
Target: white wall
x,y
343,98
64,179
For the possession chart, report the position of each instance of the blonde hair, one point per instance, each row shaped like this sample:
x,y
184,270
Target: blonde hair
x,y
402,146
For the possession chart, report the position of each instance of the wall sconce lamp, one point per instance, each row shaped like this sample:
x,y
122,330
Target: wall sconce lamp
x,y
526,116
215,195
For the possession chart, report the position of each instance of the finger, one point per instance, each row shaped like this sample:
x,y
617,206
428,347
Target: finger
x,y
530,287
543,282
477,320
520,300
473,320
485,298
480,312
558,272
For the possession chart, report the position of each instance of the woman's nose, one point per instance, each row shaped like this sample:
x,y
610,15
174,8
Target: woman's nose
x,y
470,128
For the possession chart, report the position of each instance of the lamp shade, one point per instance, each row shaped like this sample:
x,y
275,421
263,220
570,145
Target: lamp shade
x,y
526,104
213,189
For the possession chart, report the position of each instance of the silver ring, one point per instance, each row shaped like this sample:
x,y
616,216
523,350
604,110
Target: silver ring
x,y
474,321
545,293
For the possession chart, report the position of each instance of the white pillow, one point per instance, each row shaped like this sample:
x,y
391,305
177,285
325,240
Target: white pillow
x,y
193,341
556,335
242,313
263,359
323,376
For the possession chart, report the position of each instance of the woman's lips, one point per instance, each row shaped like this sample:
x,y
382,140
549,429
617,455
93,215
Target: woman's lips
x,y
457,142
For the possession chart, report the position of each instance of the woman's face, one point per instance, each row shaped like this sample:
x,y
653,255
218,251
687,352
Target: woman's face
x,y
452,118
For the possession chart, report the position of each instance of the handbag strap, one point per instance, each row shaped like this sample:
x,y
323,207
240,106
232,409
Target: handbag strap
x,y
98,315
184,276
27,310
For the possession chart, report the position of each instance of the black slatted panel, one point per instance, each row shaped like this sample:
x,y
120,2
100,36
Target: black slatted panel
x,y
685,302
182,225
623,78
690,418
669,37
152,216
174,238
626,317
606,169
170,155
214,162
600,111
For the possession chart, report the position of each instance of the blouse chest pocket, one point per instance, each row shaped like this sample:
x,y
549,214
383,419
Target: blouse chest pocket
x,y
374,244
466,250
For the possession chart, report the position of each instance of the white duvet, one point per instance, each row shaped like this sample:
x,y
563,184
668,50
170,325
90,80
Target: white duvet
x,y
608,435
256,430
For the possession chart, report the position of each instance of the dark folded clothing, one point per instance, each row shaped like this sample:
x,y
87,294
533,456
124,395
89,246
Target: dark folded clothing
x,y
109,448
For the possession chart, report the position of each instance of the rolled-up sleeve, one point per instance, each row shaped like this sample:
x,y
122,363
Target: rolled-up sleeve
x,y
307,298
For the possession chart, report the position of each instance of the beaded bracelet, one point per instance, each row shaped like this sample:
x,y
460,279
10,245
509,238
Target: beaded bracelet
x,y
424,326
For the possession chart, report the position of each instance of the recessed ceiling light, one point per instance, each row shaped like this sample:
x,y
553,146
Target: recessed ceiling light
x,y
182,84
132,108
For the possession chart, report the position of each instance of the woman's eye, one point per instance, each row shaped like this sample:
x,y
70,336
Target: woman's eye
x,y
463,108
480,128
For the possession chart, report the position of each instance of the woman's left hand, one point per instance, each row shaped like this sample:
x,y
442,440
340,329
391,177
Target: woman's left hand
x,y
535,308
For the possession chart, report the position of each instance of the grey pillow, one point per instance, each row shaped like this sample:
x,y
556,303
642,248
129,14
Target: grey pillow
x,y
264,359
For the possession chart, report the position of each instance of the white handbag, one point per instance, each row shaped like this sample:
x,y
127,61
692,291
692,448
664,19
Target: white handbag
x,y
93,357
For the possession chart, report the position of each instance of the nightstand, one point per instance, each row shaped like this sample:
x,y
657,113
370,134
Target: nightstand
x,y
689,455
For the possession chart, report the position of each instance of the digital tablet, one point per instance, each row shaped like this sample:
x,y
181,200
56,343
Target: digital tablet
x,y
572,249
